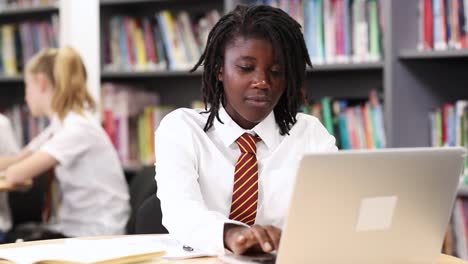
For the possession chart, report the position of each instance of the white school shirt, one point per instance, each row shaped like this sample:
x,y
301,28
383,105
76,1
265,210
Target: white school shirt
x,y
8,146
195,171
94,196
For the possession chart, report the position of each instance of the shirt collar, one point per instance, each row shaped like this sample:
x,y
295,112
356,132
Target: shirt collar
x,y
230,131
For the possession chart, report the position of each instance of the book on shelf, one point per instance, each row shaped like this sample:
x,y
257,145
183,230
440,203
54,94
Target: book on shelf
x,y
356,124
130,117
449,126
443,24
19,42
337,31
167,41
25,126
456,239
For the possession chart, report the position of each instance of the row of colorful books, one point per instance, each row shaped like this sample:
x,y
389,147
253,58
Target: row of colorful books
x,y
171,41
456,239
355,124
24,125
130,117
449,126
443,24
337,31
10,4
19,42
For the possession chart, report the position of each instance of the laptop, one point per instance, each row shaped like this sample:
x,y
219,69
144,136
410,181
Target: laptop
x,y
371,206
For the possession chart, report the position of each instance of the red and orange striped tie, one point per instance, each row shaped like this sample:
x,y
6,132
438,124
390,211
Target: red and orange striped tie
x,y
245,191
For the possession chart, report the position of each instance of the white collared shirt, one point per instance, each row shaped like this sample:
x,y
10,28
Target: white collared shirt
x,y
94,192
195,171
8,146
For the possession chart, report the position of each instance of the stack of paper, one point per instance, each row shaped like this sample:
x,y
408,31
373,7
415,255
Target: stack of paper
x,y
126,249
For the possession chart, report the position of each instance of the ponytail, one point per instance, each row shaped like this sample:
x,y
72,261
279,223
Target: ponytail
x,y
71,93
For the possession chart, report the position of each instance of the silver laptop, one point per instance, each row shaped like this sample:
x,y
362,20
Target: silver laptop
x,y
383,206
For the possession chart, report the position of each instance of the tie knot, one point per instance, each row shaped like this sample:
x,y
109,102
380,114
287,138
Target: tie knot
x,y
247,142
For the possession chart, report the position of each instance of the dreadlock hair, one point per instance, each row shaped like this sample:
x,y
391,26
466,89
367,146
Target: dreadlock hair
x,y
262,22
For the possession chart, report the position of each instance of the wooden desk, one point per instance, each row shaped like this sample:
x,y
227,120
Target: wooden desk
x,y
443,259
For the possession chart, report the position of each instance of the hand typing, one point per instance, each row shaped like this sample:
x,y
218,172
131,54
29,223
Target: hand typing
x,y
256,239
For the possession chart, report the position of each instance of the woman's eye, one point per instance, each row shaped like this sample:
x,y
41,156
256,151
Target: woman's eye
x,y
245,68
276,72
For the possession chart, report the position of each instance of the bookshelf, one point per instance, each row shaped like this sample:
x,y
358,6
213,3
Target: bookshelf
x,y
417,81
11,79
112,75
412,54
347,67
179,87
12,90
29,10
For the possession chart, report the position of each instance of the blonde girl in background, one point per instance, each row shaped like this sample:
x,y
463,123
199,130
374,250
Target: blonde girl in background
x,y
91,195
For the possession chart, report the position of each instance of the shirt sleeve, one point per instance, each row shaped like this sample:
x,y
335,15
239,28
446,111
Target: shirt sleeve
x,y
321,139
68,143
8,143
36,143
185,214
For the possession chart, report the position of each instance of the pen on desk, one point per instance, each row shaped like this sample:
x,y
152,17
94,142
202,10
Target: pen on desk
x,y
187,248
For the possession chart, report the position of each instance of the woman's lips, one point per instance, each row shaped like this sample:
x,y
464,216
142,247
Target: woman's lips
x,y
258,101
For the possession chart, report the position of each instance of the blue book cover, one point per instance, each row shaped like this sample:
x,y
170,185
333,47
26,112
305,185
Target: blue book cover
x,y
122,42
343,126
451,127
347,27
165,39
310,27
436,18
320,29
448,20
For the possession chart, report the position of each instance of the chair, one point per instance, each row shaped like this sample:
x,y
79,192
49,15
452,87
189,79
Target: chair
x,y
142,187
149,217
26,206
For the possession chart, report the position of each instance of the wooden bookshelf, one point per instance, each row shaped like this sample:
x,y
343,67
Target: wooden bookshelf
x,y
109,75
347,67
423,55
30,10
115,75
11,79
134,2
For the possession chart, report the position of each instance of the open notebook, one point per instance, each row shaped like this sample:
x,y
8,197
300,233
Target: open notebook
x,y
126,249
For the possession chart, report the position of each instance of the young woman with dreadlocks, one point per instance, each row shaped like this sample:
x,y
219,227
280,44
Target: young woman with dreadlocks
x,y
225,173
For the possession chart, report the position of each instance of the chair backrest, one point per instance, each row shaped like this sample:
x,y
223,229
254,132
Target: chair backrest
x,y
27,206
149,217
142,186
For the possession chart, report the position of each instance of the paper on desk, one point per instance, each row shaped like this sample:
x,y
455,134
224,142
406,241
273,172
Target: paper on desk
x,y
173,248
83,251
96,250
23,255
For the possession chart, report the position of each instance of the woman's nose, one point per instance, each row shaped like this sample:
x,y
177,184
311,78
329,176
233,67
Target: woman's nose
x,y
261,81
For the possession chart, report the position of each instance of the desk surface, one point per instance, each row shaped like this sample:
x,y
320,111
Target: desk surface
x,y
443,259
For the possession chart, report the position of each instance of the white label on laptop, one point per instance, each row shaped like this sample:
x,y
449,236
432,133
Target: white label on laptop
x,y
376,213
